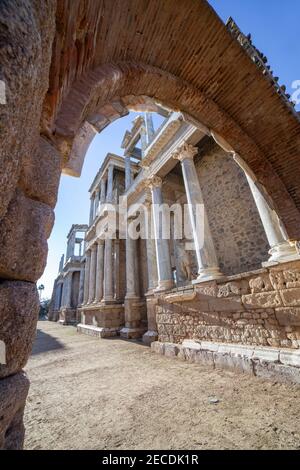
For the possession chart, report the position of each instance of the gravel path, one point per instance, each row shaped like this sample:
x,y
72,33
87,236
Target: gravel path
x,y
88,393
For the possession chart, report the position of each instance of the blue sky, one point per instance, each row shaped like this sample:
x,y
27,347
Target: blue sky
x,y
274,26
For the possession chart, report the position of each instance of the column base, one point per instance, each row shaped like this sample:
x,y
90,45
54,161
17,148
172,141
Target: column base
x,y
135,313
282,253
149,337
132,333
164,285
208,274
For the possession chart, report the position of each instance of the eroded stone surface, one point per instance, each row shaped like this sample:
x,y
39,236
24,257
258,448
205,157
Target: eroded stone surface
x,y
262,300
23,238
13,394
40,173
19,306
27,31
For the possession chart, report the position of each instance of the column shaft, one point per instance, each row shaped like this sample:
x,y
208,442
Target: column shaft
x,y
151,253
117,268
87,277
280,249
164,268
108,272
110,181
92,209
92,281
81,286
99,271
68,284
131,274
204,247
128,174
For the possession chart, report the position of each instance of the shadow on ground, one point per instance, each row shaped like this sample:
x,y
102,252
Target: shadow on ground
x,y
45,342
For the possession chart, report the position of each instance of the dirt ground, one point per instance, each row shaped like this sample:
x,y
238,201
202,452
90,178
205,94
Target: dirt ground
x,y
88,393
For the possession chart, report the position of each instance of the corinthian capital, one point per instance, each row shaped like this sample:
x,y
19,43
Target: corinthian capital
x,y
185,151
154,182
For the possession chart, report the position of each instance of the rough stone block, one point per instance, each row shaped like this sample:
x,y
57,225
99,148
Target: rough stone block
x,y
288,316
260,283
205,357
206,291
291,297
25,57
171,350
290,358
231,304
19,306
262,300
40,173
232,288
13,393
266,354
292,278
277,372
158,347
236,363
149,337
277,280
23,238
209,346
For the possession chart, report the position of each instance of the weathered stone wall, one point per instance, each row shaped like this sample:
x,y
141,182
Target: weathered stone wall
x,y
29,175
258,308
238,234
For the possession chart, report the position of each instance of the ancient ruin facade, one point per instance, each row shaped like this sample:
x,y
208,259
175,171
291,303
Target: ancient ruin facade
x,y
68,286
225,287
67,76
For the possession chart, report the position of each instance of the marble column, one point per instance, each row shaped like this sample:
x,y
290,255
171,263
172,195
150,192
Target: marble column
x,y
149,127
208,268
165,275
92,280
99,271
131,252
110,183
60,296
128,174
117,268
92,209
87,276
68,290
151,333
280,249
102,193
97,199
81,286
151,252
108,271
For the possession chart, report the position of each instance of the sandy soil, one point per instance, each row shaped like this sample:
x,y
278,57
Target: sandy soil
x,y
113,394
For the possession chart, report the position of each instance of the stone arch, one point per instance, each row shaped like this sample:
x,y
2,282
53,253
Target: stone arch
x,y
110,91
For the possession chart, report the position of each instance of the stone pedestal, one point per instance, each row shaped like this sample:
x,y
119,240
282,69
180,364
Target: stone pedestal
x,y
101,320
135,310
151,334
67,316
